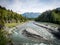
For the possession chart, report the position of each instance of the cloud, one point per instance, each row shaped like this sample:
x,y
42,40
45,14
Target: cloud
x,y
21,6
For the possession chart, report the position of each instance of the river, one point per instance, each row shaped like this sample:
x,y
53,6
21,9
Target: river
x,y
31,34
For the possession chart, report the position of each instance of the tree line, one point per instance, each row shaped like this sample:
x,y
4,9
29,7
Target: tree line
x,y
52,16
8,16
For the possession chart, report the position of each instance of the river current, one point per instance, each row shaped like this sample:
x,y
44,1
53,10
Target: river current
x,y
23,36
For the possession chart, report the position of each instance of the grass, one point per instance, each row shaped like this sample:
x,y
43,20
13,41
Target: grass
x,y
10,25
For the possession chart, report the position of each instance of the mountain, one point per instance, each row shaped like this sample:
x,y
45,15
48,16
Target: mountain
x,y
31,15
52,16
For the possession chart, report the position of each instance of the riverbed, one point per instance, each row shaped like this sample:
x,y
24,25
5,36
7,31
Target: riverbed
x,y
32,34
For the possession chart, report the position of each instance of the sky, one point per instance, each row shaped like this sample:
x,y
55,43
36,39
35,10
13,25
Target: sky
x,y
22,6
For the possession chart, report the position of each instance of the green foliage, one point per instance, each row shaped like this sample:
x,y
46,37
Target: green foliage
x,y
3,39
52,16
8,16
1,24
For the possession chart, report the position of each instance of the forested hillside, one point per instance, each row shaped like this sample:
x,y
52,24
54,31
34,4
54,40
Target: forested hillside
x,y
8,16
52,16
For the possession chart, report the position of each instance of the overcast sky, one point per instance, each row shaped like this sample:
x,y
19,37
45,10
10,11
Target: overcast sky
x,y
22,6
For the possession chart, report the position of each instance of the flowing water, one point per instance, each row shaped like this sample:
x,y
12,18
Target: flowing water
x,y
21,39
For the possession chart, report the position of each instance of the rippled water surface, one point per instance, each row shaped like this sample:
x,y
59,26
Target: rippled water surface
x,y
21,39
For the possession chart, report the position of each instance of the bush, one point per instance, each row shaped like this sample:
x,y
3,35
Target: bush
x,y
1,24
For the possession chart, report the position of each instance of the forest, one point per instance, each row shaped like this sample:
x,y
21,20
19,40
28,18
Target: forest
x,y
52,16
8,16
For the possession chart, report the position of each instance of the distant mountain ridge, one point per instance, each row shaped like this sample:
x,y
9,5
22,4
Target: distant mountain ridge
x,y
31,15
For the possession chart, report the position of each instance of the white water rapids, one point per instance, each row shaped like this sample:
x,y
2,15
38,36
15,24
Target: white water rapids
x,y
31,30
